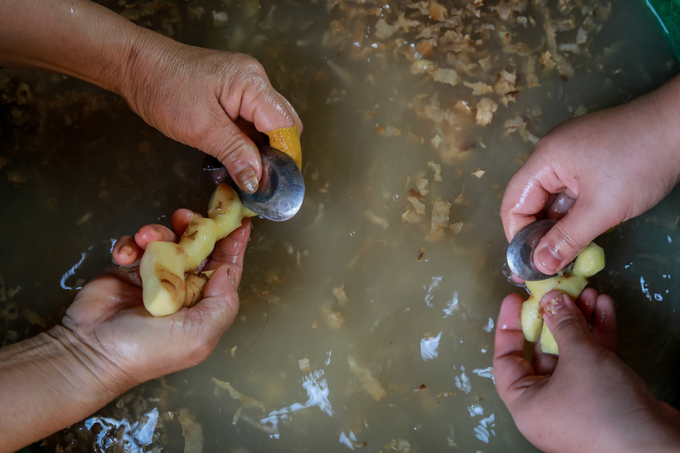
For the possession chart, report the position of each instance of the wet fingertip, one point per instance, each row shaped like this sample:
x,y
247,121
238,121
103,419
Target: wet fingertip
x,y
552,303
586,300
123,251
181,218
247,180
547,260
231,277
604,309
121,241
126,251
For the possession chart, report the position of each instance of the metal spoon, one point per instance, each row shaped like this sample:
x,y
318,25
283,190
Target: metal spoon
x,y
281,190
521,250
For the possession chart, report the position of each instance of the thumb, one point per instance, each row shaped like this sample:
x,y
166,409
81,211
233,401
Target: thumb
x,y
568,237
566,322
239,155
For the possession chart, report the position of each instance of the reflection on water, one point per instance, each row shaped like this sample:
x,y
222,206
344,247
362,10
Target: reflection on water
x,y
317,392
129,437
367,321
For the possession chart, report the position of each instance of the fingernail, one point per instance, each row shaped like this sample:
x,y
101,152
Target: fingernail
x,y
248,180
548,259
551,306
126,250
230,276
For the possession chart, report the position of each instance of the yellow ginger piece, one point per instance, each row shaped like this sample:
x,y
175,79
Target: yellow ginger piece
x,y
165,289
287,140
588,263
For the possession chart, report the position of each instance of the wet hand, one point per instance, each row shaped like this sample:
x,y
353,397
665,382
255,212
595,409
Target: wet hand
x,y
207,99
612,165
108,315
587,399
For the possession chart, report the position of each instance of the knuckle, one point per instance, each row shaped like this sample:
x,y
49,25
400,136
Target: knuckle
x,y
229,150
566,241
565,323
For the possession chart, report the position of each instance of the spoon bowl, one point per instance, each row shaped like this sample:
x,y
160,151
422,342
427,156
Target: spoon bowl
x,y
281,190
521,250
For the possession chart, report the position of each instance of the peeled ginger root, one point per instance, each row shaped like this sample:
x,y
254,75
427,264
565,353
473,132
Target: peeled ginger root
x,y
588,263
165,288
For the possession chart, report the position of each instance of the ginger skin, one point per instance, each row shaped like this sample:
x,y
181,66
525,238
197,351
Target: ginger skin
x,y
164,264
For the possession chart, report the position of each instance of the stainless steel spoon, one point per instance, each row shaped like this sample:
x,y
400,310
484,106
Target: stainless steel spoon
x,y
521,250
281,190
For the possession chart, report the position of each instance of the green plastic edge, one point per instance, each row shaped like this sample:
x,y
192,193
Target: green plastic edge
x,y
668,14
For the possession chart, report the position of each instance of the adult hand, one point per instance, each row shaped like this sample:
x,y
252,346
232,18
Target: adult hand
x,y
109,343
197,96
108,313
192,95
615,164
587,399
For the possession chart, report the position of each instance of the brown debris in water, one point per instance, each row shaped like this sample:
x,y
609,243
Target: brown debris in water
x,y
440,220
339,293
191,431
235,394
421,254
368,381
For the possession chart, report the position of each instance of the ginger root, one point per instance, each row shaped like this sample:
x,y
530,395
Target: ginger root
x,y
588,263
163,265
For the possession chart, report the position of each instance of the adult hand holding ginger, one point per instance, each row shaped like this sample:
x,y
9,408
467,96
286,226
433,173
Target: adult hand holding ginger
x,y
164,264
147,347
108,342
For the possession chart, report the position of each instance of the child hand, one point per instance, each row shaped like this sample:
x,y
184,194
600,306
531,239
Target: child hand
x,y
587,399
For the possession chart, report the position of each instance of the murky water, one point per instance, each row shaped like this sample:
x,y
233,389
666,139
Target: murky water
x,y
362,325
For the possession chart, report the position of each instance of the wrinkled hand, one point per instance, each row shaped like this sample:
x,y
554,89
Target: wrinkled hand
x,y
108,315
587,399
199,96
615,163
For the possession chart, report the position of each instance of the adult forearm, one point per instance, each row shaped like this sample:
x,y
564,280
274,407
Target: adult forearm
x,y
75,37
49,382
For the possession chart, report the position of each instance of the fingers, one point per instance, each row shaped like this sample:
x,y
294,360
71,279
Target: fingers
x,y
213,314
153,233
560,205
296,118
604,323
569,236
221,289
249,96
125,251
544,364
528,192
110,294
566,323
238,153
129,249
181,218
253,98
599,314
586,302
510,366
521,202
230,251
